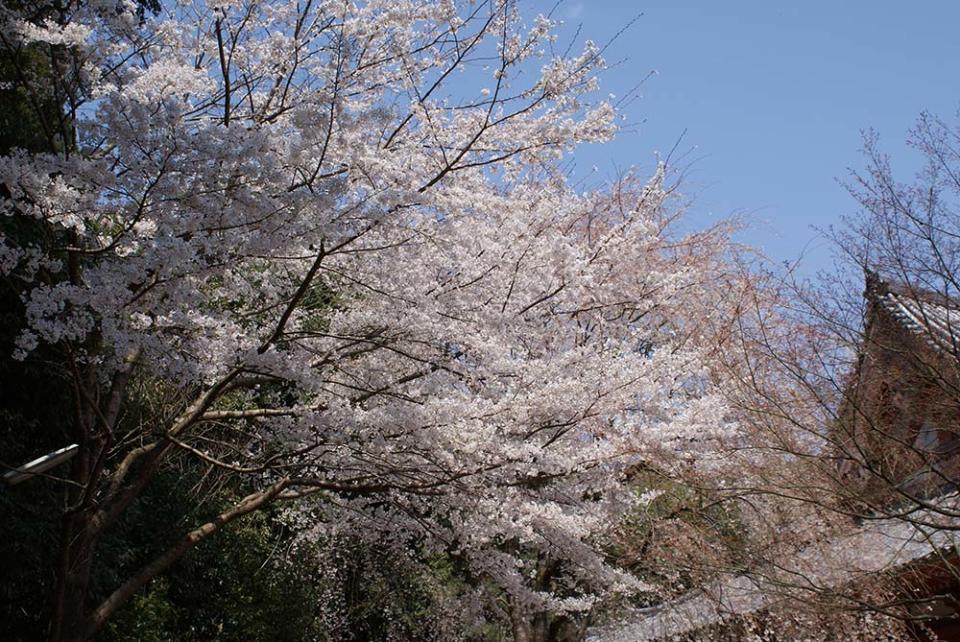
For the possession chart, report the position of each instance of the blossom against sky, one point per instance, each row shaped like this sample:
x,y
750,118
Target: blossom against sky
x,y
769,98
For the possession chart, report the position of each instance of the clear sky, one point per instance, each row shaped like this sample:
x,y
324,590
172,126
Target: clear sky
x,y
772,97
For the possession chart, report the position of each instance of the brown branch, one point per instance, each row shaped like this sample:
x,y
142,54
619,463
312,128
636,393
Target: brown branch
x,y
249,413
120,596
297,296
224,69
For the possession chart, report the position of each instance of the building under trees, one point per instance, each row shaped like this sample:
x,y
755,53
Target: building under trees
x,y
895,448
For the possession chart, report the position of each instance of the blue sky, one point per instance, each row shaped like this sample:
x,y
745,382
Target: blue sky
x,y
772,97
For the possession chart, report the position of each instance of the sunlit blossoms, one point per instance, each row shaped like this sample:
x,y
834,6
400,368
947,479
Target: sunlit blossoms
x,y
366,278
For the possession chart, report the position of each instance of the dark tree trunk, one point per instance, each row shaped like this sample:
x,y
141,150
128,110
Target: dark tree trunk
x,y
68,622
543,627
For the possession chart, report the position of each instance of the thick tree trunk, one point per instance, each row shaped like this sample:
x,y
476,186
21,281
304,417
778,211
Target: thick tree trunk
x,y
544,627
68,622
528,627
522,631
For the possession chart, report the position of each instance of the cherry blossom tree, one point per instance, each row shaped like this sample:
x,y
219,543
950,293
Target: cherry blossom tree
x,y
848,387
280,238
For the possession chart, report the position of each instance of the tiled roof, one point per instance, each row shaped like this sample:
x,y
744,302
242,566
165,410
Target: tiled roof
x,y
879,545
931,316
937,324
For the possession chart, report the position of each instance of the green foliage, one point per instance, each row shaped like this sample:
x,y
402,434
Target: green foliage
x,y
150,617
681,533
26,122
318,303
383,596
36,406
234,587
375,591
28,539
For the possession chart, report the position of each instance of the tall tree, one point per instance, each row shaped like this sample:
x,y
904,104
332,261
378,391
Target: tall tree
x,y
852,383
276,244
